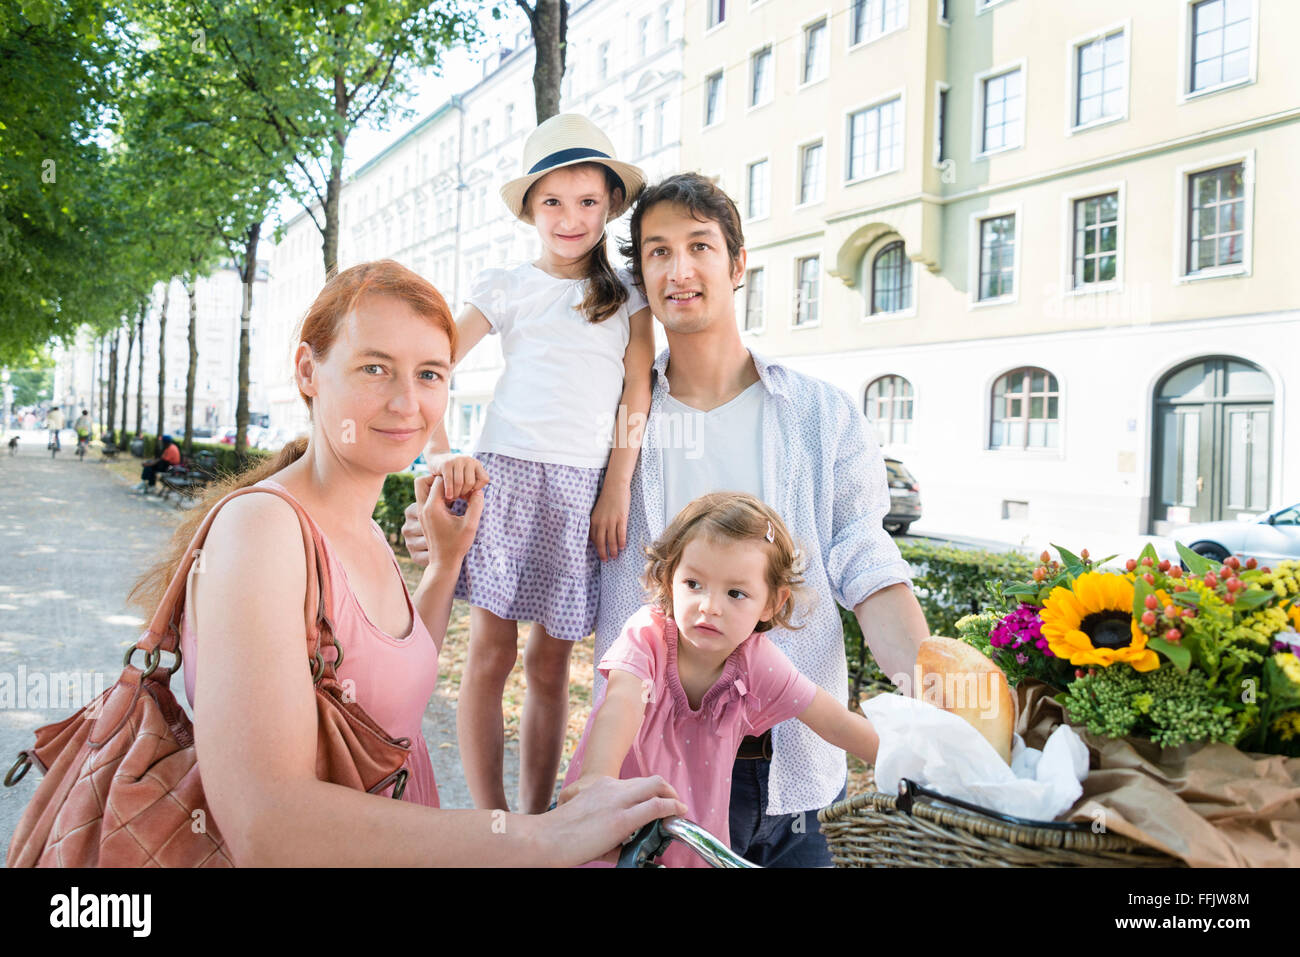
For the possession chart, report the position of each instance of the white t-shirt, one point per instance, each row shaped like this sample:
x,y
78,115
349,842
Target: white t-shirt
x,y
557,400
716,451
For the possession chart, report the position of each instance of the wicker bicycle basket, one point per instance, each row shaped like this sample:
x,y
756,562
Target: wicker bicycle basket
x,y
873,830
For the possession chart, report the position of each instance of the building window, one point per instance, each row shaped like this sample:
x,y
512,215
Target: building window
x,y
816,51
639,132
875,140
510,118
941,128
1216,217
643,36
602,60
1100,78
754,280
808,277
666,21
760,76
888,407
661,107
717,12
1096,239
891,280
1002,112
997,257
758,178
713,98
1220,43
1025,411
810,173
869,19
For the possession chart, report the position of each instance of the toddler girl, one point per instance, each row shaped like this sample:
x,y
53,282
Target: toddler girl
x,y
577,340
693,673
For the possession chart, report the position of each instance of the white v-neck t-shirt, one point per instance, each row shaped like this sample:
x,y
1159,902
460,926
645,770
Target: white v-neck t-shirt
x,y
720,450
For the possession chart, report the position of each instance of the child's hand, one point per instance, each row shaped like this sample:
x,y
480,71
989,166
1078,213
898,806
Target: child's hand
x,y
609,520
461,476
447,534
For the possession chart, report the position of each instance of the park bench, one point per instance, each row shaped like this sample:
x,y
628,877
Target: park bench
x,y
188,479
109,451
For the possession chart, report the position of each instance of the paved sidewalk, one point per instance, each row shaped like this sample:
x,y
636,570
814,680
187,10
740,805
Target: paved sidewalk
x,y
72,540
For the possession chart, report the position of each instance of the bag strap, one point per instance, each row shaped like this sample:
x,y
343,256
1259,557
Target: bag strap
x,y
163,632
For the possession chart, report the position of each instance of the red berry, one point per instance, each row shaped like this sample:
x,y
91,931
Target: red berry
x,y
1149,618
1164,565
1045,557
1180,588
1232,561
1266,570
1230,598
1173,611
1173,634
1147,562
1152,602
1175,572
1210,580
1189,613
1040,573
1084,554
1149,578
1079,672
1251,563
1130,564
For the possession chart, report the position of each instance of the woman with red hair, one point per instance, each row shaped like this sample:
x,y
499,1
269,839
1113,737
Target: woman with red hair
x,y
372,364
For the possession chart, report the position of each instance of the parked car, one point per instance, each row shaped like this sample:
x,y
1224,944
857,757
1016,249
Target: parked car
x,y
904,498
1270,538
273,440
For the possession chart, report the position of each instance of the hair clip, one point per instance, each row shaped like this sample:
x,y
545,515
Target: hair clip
x,y
770,536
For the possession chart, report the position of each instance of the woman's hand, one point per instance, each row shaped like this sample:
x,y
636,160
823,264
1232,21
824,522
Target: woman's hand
x,y
417,546
596,820
447,536
609,520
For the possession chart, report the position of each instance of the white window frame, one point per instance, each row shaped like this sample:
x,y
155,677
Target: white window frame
x,y
973,269
868,282
938,15
939,88
861,44
640,132
721,74
1072,81
708,15
749,77
818,139
1068,200
977,120
900,95
643,37
1183,181
744,315
1024,454
981,6
821,290
824,18
1185,91
749,164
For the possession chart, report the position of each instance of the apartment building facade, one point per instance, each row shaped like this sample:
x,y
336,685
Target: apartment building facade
x,y
1043,245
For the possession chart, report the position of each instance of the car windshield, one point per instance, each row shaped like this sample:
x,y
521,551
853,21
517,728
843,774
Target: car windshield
x,y
1288,516
899,477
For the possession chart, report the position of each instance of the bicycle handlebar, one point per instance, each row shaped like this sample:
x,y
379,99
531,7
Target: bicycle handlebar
x,y
653,839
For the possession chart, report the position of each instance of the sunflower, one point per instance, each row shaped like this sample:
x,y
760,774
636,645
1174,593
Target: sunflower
x,y
1091,623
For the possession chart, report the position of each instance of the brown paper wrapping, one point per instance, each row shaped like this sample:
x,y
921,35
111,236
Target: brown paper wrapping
x,y
1210,805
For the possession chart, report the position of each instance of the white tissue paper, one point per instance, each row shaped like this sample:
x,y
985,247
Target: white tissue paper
x,y
943,752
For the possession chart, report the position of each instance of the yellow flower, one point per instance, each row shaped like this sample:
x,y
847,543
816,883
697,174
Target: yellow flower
x,y
1293,612
1287,724
1290,666
1091,623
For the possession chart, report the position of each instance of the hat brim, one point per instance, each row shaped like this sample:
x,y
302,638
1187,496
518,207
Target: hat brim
x,y
633,179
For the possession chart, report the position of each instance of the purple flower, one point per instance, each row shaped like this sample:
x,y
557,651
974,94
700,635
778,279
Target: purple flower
x,y
1021,659
1021,628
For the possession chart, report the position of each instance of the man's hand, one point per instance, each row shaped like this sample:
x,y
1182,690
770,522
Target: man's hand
x,y
609,520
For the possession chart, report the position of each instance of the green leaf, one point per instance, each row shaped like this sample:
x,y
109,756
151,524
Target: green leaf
x,y
1196,564
1068,557
1188,597
1181,657
1149,552
1021,590
1250,600
1140,591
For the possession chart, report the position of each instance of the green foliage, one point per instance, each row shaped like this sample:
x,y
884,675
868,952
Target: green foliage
x,y
949,581
229,461
399,492
31,385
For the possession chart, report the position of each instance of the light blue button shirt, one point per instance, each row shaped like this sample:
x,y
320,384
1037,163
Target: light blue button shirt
x,y
824,474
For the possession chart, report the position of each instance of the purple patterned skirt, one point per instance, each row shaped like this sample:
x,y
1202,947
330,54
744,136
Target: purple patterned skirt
x,y
532,559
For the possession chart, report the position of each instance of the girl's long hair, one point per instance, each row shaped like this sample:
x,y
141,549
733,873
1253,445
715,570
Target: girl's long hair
x,y
319,329
605,291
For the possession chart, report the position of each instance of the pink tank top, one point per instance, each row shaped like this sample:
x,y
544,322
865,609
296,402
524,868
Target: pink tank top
x,y
393,677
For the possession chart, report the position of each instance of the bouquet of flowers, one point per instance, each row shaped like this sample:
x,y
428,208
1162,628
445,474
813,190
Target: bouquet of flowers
x,y
1200,651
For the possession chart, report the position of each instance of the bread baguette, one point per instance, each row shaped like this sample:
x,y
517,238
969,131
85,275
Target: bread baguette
x,y
956,677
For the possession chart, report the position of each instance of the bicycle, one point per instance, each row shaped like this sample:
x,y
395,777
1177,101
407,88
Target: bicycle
x,y
83,444
54,445
653,839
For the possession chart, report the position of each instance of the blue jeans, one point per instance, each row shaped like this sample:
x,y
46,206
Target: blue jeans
x,y
771,840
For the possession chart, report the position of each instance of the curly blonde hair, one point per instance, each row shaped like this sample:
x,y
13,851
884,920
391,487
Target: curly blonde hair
x,y
728,516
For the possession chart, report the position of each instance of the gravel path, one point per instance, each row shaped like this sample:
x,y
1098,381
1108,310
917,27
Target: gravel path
x,y
72,540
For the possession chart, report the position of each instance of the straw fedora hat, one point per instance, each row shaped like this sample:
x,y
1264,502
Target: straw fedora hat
x,y
564,140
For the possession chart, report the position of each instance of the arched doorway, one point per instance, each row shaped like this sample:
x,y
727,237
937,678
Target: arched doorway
x,y
1213,433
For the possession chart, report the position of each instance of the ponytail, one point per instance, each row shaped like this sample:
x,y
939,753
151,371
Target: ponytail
x,y
149,589
605,291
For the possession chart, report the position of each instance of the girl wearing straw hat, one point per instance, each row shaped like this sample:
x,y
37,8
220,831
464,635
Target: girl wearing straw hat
x,y
578,344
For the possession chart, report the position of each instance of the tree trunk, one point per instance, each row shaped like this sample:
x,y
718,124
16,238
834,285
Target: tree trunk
x,y
139,374
550,22
112,385
191,281
334,185
103,383
126,377
249,276
162,359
